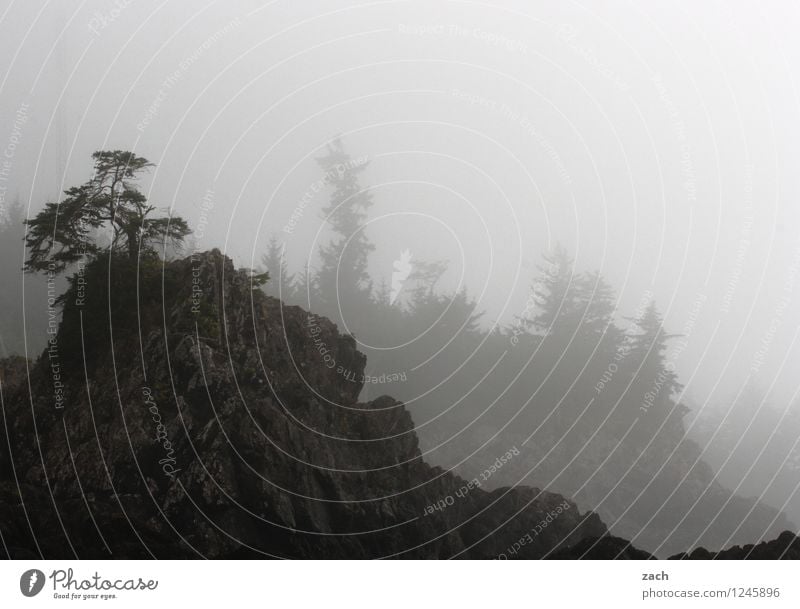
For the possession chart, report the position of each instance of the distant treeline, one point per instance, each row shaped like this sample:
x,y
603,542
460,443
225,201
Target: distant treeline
x,y
590,397
26,311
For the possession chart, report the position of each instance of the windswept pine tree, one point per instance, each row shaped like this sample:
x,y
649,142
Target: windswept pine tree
x,y
110,234
110,202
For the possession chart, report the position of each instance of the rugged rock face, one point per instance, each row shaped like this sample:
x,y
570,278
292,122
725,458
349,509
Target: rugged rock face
x,y
785,547
606,547
207,419
671,501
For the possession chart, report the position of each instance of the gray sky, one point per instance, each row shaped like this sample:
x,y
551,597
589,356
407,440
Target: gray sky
x,y
657,141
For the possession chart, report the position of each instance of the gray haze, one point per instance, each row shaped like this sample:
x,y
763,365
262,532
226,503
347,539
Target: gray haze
x,y
656,141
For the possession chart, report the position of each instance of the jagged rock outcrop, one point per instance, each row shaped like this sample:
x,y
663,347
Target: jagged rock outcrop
x,y
198,417
785,547
664,499
606,547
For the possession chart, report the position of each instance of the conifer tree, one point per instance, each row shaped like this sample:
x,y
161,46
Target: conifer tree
x,y
654,379
343,281
64,232
554,293
281,282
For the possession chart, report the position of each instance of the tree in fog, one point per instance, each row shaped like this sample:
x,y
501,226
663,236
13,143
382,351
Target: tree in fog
x,y
439,316
648,347
281,283
12,231
19,330
108,231
554,293
423,296
64,232
342,278
596,304
654,380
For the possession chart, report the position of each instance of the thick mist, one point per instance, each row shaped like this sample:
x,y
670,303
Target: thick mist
x,y
653,146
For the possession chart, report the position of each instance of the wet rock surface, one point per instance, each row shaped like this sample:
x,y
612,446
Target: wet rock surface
x,y
221,426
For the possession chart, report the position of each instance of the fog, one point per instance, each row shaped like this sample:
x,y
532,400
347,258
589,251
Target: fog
x,y
657,143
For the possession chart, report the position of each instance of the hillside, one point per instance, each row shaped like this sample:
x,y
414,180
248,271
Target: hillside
x,y
196,417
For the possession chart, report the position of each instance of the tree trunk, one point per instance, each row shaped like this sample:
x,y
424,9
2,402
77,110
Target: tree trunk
x,y
133,246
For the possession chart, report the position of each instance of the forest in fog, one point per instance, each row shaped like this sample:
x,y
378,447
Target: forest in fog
x,y
589,393
308,280
591,390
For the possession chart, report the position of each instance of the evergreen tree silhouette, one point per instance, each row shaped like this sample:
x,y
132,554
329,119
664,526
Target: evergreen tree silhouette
x,y
281,282
554,293
654,379
342,282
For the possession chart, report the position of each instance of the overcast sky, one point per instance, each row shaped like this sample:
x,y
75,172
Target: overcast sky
x,y
657,141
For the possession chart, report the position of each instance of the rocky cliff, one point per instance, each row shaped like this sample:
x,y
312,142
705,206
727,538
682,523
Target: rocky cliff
x,y
785,547
179,412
